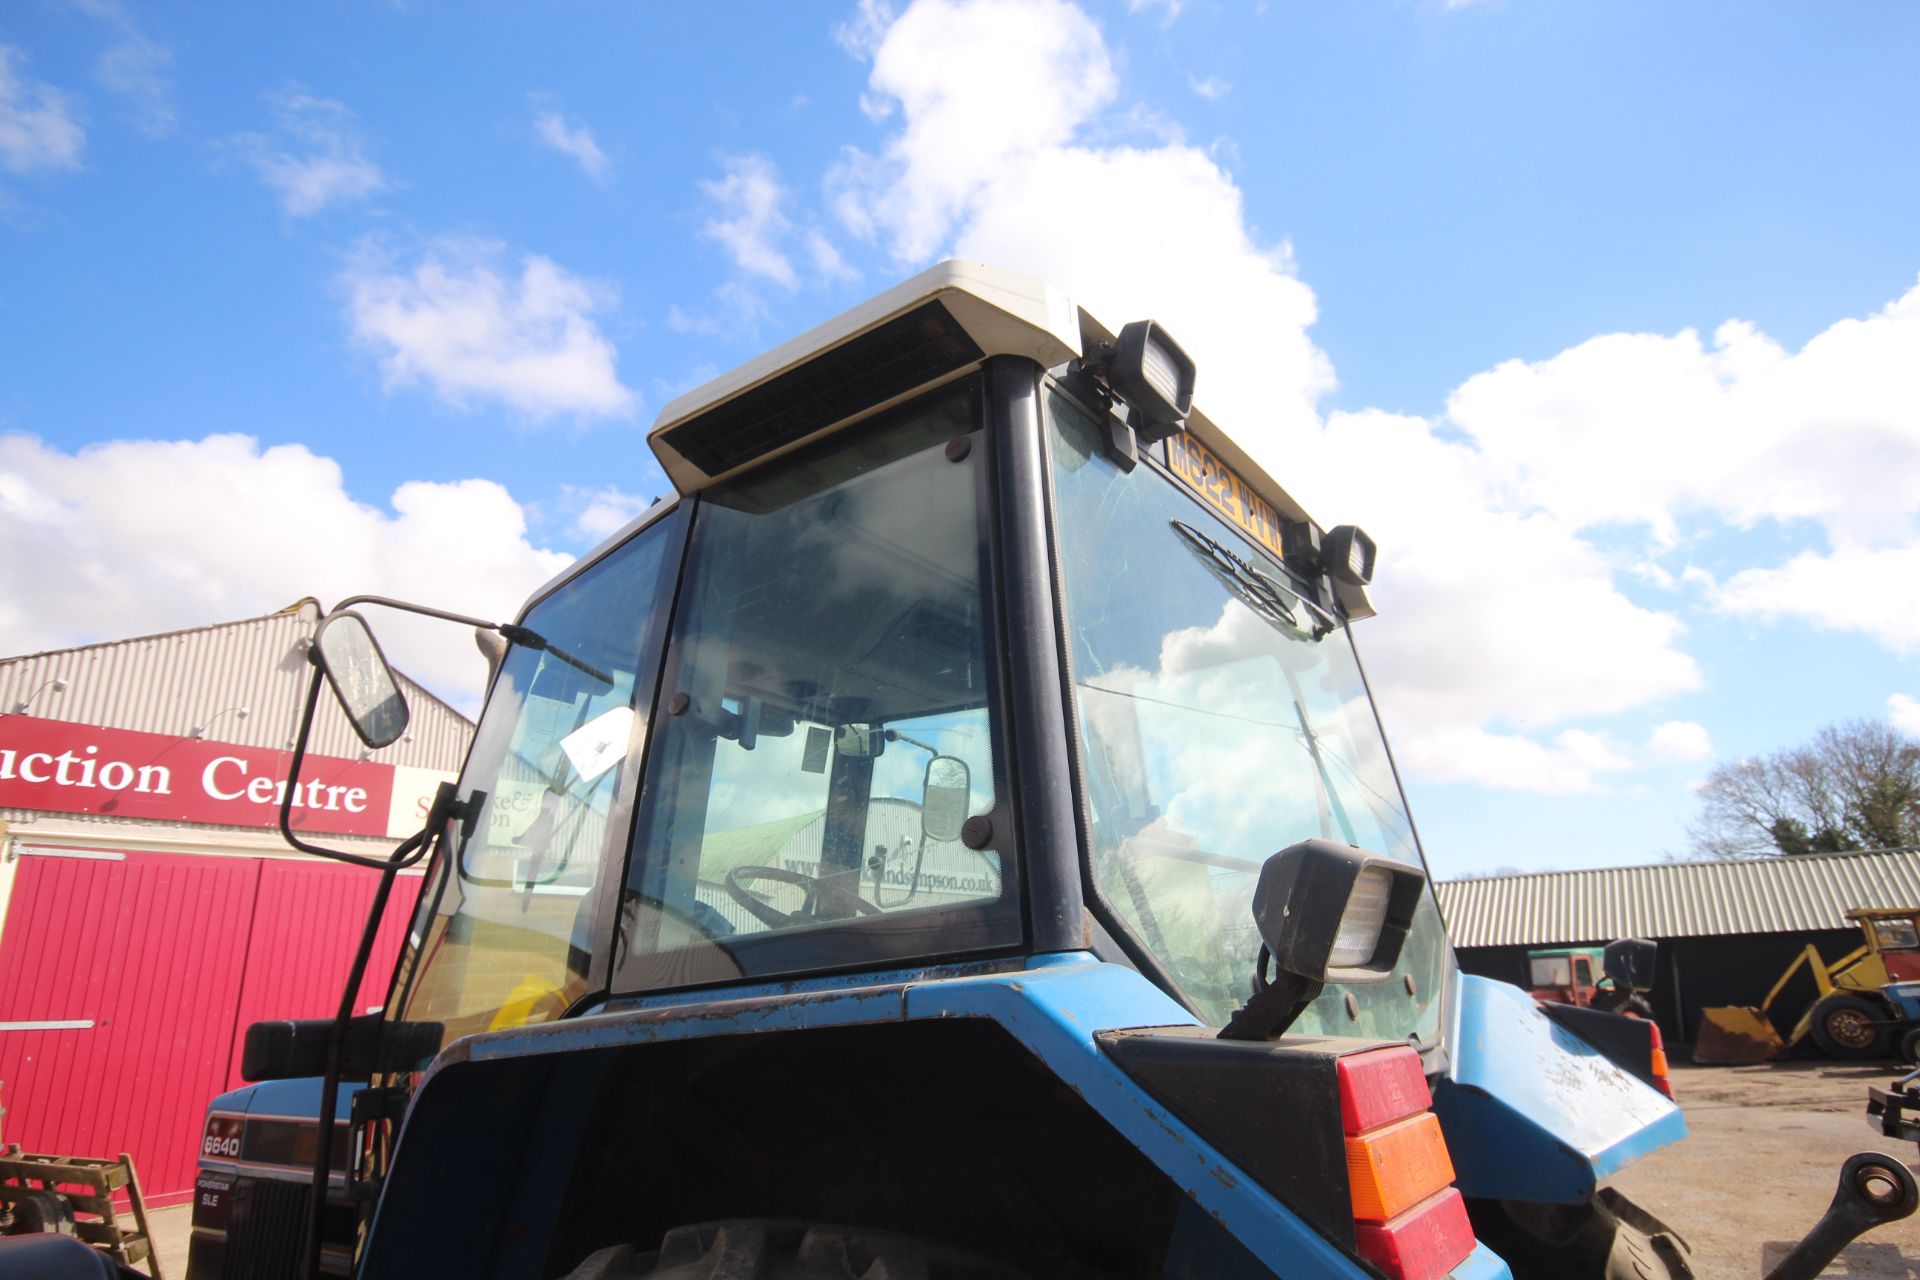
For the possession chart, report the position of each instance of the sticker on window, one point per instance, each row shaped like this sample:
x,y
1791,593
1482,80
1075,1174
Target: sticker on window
x,y
598,745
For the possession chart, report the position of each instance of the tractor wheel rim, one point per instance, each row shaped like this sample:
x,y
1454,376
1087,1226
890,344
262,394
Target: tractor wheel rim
x,y
1850,1028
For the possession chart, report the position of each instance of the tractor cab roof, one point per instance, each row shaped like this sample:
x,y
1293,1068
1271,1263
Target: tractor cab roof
x,y
921,333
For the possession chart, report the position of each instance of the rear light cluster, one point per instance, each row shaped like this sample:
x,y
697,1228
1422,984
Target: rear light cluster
x,y
1661,1080
1410,1221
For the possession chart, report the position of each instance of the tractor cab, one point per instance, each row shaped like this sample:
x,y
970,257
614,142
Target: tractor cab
x,y
1563,975
1892,934
951,834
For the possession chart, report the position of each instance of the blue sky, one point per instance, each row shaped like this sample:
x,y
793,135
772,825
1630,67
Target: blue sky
x,y
379,296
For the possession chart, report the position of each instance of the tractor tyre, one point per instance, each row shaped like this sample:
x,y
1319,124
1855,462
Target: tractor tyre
x,y
1910,1045
41,1211
1607,1238
777,1249
1843,1027
1635,1007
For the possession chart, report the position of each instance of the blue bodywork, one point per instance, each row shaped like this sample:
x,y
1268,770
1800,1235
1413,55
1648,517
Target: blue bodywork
x,y
1533,1112
1905,999
288,1098
1054,1006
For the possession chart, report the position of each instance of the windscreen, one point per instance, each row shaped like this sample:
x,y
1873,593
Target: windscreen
x,y
830,728
1221,719
505,924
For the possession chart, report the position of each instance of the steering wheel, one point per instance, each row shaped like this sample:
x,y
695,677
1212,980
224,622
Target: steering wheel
x,y
736,887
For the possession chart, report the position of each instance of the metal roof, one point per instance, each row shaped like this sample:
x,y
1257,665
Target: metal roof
x,y
1678,899
174,682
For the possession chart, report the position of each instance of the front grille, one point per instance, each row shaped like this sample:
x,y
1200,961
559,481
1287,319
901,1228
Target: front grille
x,y
267,1232
906,352
268,1228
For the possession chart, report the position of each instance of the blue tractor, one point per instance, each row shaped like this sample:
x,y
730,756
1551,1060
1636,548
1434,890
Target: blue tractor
x,y
950,836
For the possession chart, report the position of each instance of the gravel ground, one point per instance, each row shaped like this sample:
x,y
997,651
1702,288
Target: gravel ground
x,y
1755,1172
1760,1164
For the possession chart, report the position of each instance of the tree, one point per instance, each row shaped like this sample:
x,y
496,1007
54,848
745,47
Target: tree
x,y
1855,786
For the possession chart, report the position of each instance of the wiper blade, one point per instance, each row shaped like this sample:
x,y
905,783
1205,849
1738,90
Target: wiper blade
x,y
1257,587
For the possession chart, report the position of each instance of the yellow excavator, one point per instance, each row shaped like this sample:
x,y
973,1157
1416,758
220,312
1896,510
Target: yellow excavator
x,y
1850,1016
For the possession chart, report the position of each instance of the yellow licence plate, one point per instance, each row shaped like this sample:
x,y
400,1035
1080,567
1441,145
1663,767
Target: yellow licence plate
x,y
1223,491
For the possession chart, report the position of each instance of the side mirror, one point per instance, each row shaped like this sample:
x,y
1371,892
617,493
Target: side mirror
x,y
362,681
1629,962
1326,912
946,795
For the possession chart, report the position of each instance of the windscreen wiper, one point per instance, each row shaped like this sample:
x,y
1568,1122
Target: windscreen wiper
x,y
1258,589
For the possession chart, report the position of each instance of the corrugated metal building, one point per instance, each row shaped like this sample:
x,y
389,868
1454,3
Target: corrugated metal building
x,y
1727,930
149,910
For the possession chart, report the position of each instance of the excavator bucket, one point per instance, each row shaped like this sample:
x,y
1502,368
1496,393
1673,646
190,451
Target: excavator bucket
x,y
1734,1034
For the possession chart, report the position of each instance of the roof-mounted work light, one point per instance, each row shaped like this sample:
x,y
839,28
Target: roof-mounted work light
x,y
1344,552
1347,552
1326,913
1148,370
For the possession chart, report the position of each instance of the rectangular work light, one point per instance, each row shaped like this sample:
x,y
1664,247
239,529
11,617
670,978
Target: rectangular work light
x,y
1148,370
1326,912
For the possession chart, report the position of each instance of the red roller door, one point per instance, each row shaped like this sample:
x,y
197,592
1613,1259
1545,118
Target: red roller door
x,y
118,976
127,981
306,924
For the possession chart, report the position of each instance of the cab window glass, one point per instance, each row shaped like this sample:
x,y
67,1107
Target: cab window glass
x,y
831,722
505,927
1896,935
1551,971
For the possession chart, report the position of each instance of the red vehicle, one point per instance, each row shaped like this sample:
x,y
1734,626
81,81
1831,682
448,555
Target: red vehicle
x,y
1566,975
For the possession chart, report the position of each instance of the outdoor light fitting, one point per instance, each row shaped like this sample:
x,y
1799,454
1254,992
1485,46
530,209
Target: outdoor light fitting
x,y
58,684
239,713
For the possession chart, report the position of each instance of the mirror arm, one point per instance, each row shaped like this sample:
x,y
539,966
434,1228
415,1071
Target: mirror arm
x,y
529,639
513,631
407,606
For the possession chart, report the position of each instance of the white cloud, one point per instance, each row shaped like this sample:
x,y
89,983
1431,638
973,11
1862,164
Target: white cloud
x,y
1904,712
862,34
748,220
979,86
1738,429
317,157
134,67
38,128
574,140
1213,88
604,511
93,545
1679,742
1170,9
1874,591
456,322
1655,431
1500,624
1512,762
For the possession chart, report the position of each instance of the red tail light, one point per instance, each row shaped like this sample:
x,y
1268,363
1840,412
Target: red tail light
x,y
1660,1077
1409,1221
1429,1239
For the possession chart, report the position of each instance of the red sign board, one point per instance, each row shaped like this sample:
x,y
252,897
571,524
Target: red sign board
x,y
77,768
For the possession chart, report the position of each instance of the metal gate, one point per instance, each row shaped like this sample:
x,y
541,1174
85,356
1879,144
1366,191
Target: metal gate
x,y
127,981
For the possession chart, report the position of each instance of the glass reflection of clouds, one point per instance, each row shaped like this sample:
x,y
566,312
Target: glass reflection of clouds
x,y
1216,732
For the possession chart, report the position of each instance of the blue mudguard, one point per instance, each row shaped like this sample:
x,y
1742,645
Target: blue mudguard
x,y
1531,1111
1054,1006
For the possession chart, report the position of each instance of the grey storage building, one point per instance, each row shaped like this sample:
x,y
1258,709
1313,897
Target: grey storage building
x,y
1727,929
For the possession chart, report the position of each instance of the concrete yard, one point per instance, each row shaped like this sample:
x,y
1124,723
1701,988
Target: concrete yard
x,y
1760,1163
